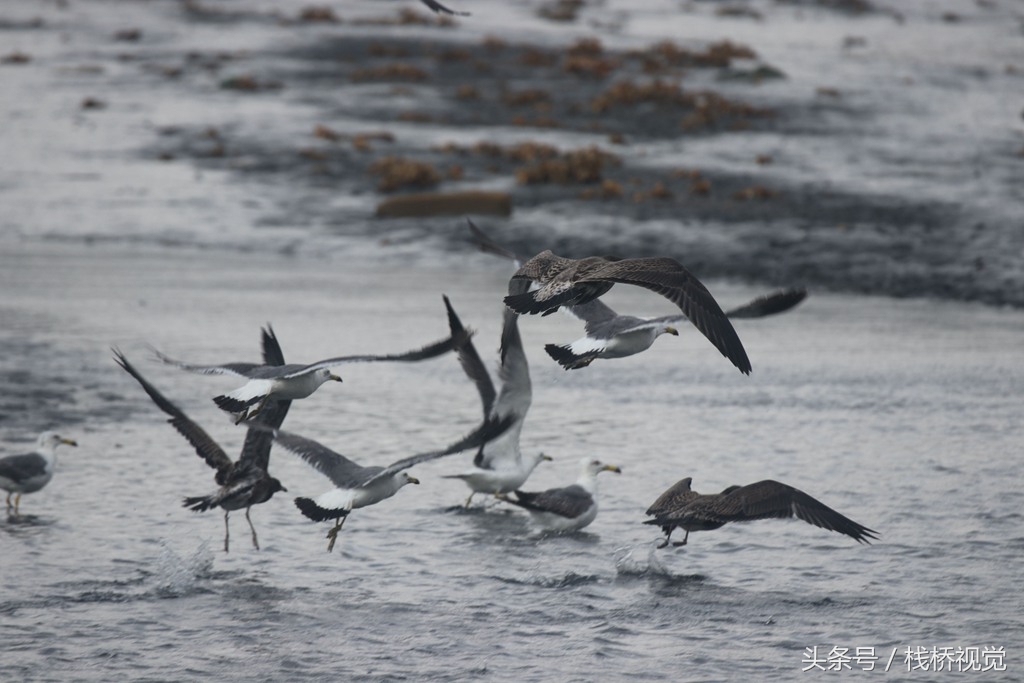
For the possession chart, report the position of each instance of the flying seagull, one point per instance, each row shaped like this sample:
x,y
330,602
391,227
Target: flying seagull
x,y
438,8
571,282
499,466
29,472
682,507
268,383
242,483
357,486
569,508
610,335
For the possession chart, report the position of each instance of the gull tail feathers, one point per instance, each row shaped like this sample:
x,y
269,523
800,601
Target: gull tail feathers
x,y
200,503
309,508
569,360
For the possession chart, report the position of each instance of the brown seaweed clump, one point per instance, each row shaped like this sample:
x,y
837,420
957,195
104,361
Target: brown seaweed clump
x,y
577,166
396,71
399,172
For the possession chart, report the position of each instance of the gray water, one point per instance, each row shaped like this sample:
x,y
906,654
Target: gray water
x,y
903,414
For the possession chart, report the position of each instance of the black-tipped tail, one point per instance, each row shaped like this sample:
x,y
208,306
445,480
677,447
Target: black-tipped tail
x,y
316,513
564,356
233,405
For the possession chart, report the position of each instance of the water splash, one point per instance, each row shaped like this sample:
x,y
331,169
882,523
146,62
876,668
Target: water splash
x,y
627,562
176,576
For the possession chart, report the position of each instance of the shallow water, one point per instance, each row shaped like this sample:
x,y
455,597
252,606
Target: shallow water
x,y
896,413
902,414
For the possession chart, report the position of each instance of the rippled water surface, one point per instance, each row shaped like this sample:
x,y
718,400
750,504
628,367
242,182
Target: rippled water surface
x,y
122,225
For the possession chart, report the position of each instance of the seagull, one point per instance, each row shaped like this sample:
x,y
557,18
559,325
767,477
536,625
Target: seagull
x,y
499,466
29,472
555,281
357,486
438,8
610,335
682,507
569,508
245,482
268,383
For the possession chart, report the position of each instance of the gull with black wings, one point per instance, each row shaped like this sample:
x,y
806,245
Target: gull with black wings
x,y
245,482
681,507
568,508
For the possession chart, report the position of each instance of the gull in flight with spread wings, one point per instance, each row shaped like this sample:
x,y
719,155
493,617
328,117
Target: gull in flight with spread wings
x,y
357,486
499,466
268,383
682,507
242,483
610,335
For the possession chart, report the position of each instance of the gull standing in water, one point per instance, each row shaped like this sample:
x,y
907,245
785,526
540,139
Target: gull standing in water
x,y
243,483
610,335
29,472
569,508
499,466
268,383
682,507
357,486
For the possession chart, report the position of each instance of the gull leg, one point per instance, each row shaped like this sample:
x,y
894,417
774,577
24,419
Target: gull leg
x,y
333,533
469,500
227,531
17,502
255,542
259,408
8,501
682,542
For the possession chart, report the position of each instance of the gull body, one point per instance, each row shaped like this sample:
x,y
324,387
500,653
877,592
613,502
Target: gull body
x,y
682,507
499,465
29,472
569,508
242,483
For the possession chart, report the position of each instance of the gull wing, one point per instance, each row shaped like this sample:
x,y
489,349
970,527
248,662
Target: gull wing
x,y
21,467
769,304
205,446
770,499
244,370
438,8
570,501
345,473
433,350
256,449
669,278
470,361
486,244
490,429
675,497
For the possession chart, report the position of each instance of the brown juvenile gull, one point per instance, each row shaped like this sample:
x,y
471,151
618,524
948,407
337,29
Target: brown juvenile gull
x,y
268,383
29,472
356,486
569,508
682,507
610,335
242,483
499,465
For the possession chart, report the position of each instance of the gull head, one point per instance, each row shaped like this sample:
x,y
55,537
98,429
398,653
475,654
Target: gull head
x,y
276,485
326,375
594,466
52,440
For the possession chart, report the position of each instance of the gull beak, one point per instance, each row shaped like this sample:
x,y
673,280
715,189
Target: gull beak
x,y
546,457
612,468
413,480
673,331
69,442
334,378
284,489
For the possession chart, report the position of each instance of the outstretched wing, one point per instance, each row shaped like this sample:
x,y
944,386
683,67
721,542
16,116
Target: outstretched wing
x,y
343,472
669,278
486,244
470,361
592,313
490,429
256,449
438,8
770,499
769,304
433,350
206,447
675,497
243,370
